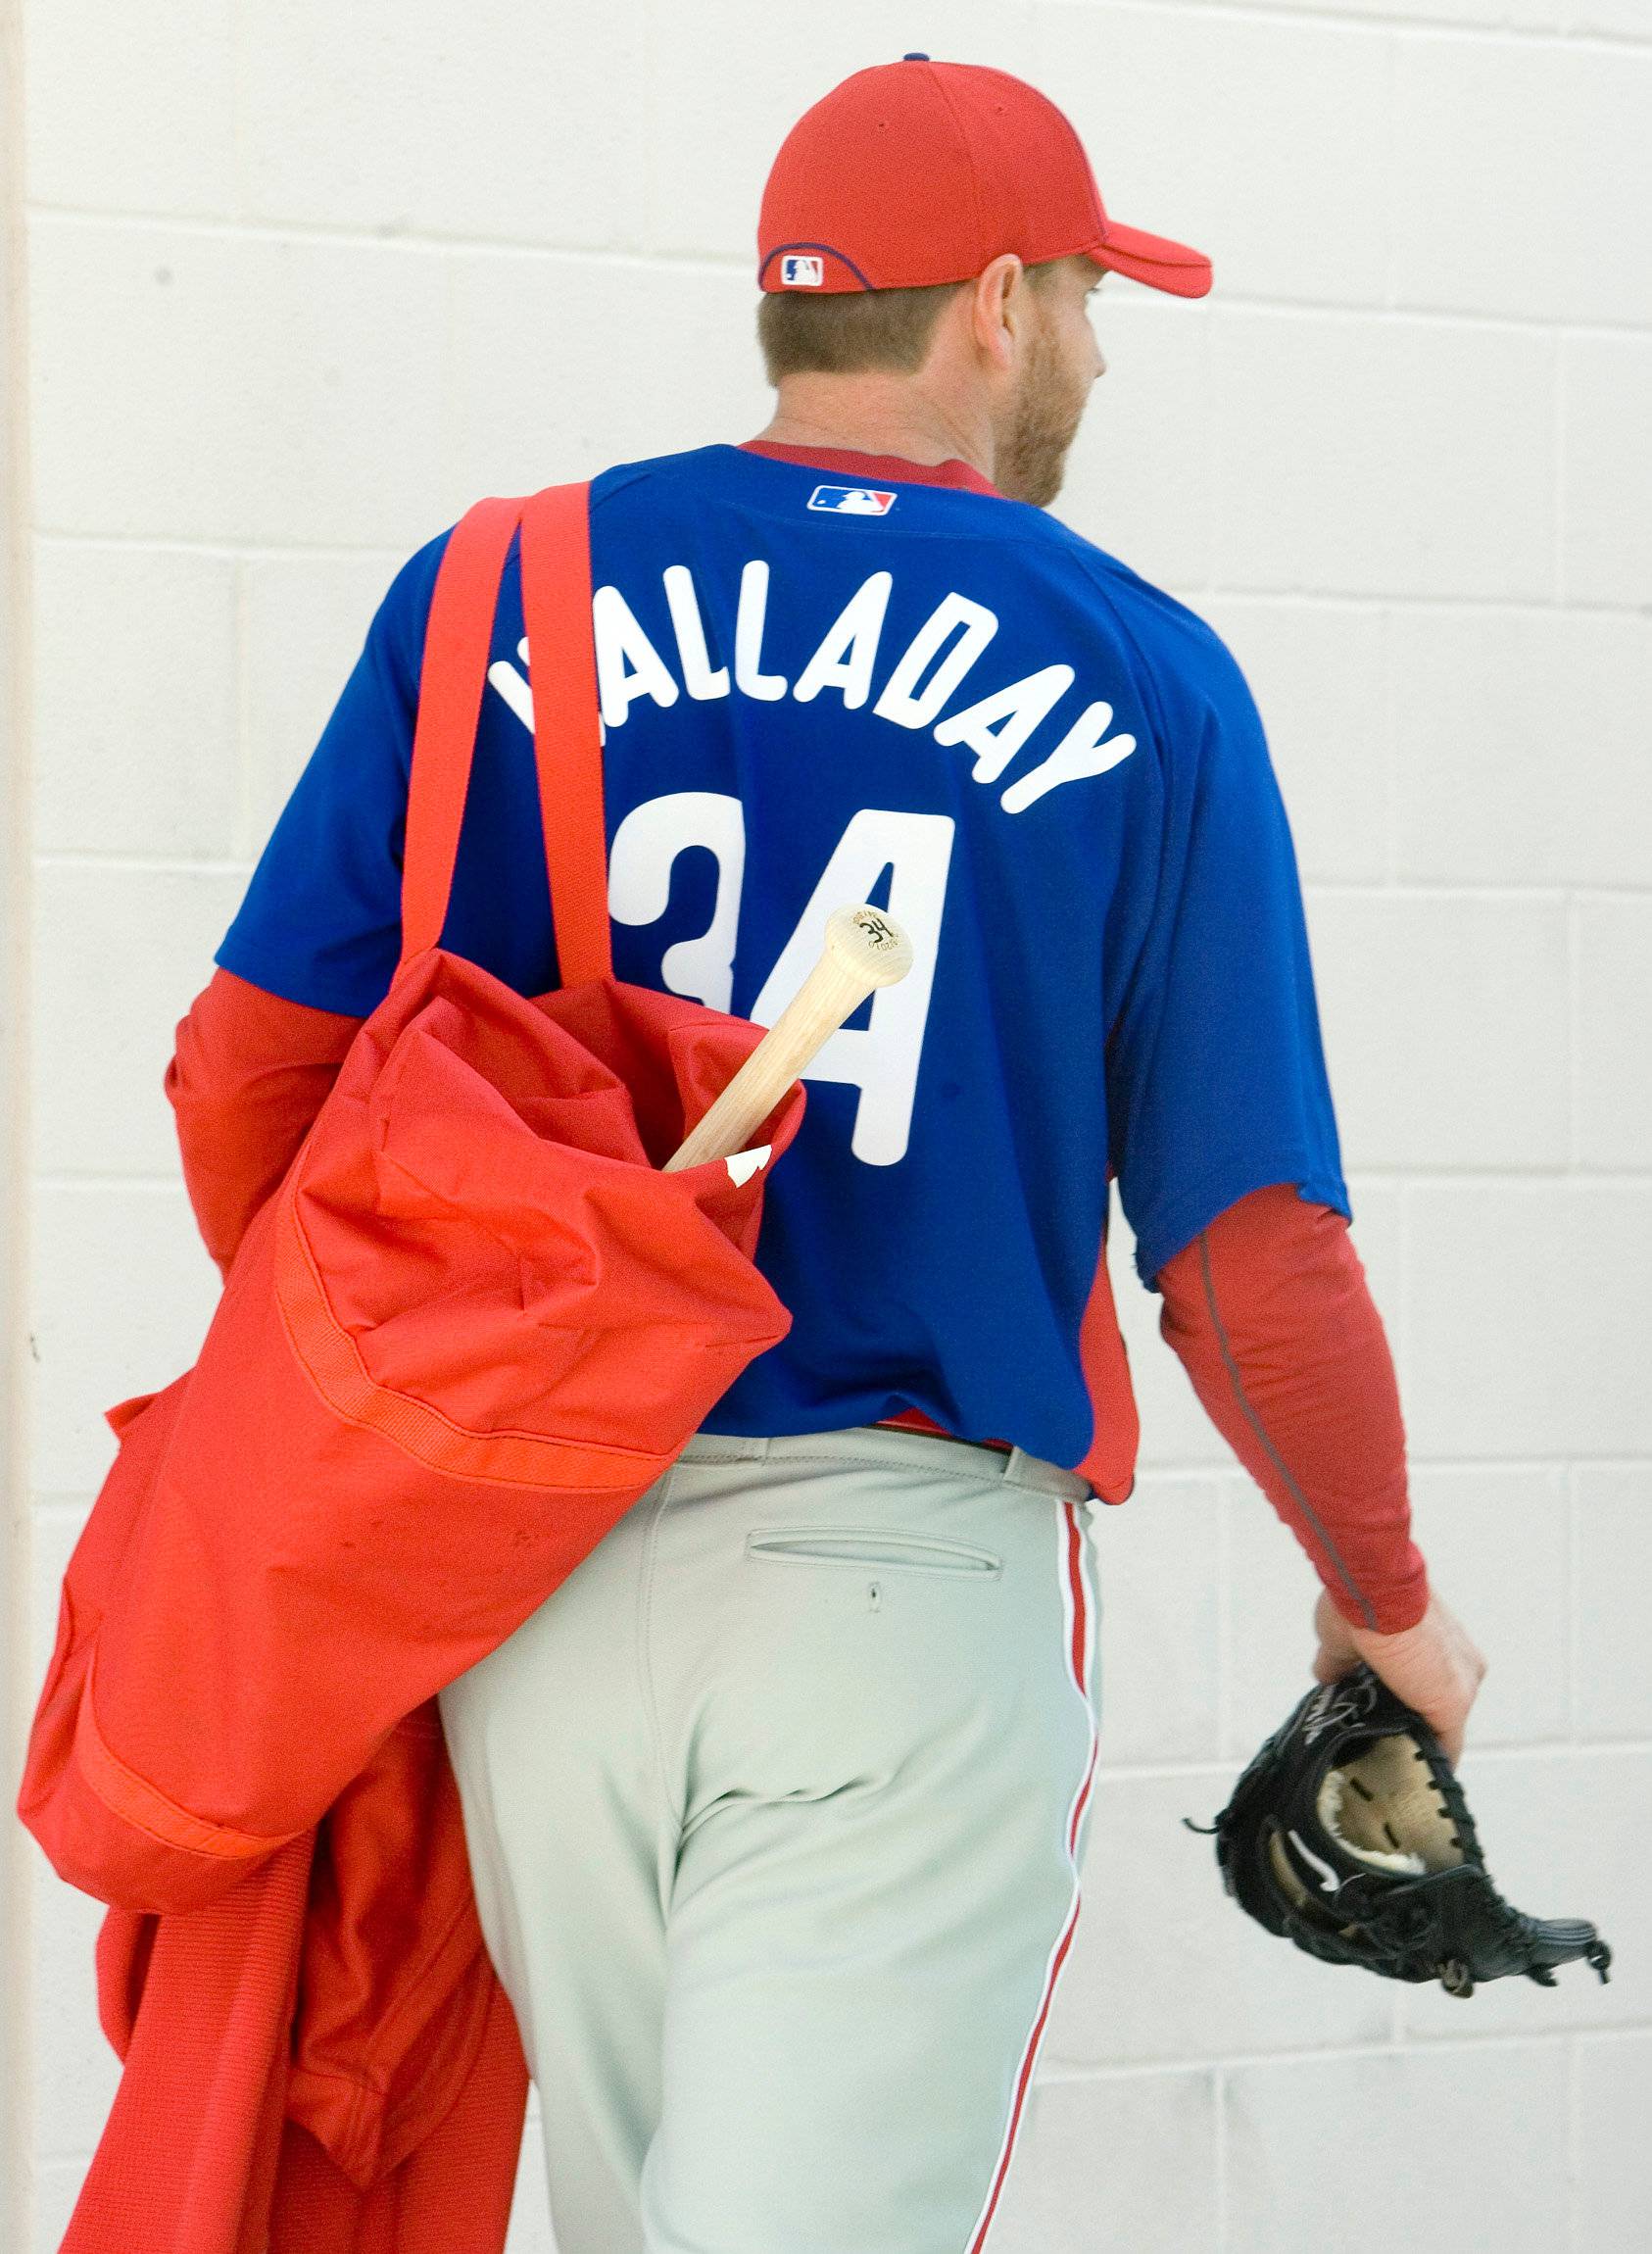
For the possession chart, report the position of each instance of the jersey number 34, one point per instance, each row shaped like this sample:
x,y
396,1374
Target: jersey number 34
x,y
881,1058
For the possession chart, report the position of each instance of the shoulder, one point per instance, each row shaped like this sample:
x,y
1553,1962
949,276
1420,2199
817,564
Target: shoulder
x,y
1188,658
396,634
405,607
1188,686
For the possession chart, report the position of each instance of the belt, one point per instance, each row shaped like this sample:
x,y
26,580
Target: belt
x,y
915,1420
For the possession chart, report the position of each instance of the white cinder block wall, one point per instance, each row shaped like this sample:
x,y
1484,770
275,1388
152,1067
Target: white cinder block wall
x,y
303,281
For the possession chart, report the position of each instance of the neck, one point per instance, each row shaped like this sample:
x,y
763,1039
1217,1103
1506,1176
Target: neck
x,y
877,415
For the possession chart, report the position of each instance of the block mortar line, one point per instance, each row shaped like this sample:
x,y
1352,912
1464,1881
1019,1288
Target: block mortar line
x,y
1578,1747
208,226
1167,1772
1425,27
1071,2072
649,18
1551,889
1398,1323
1574,2142
1547,891
1573,1603
1382,310
1224,1616
1570,1056
1219,2106
1501,887
1540,1175
1195,1773
106,1178
1386,658
1630,2032
241,660
1389,128
1381,603
1574,1051
1187,1467
1359,599
145,864
217,226
449,384
1399,598
1178,1468
220,551
19,2099
1611,1461
1560,373
1205,366
1328,2054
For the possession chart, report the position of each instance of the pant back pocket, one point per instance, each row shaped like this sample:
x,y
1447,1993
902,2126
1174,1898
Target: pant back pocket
x,y
868,1545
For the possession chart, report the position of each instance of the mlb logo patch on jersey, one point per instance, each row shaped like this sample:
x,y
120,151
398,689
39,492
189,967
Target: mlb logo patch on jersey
x,y
852,500
800,272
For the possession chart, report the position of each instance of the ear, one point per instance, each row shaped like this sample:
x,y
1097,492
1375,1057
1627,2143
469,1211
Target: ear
x,y
998,309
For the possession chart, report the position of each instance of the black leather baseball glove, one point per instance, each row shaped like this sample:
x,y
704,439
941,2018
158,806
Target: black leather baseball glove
x,y
1348,1835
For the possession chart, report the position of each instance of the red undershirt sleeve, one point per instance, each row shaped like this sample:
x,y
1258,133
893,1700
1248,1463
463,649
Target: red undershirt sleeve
x,y
1269,1313
249,1073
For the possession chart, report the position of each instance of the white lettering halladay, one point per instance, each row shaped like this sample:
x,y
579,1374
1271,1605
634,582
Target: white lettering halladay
x,y
996,728
924,677
628,666
514,686
903,699
1085,750
700,678
846,658
749,636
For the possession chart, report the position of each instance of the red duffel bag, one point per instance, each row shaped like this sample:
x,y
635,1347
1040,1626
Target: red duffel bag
x,y
473,1324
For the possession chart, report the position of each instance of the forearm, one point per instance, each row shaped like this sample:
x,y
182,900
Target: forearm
x,y
248,1074
1269,1313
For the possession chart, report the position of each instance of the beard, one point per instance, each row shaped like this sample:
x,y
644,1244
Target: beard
x,y
1043,420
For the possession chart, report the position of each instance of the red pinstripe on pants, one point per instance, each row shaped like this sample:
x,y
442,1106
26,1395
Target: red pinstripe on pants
x,y
1079,1630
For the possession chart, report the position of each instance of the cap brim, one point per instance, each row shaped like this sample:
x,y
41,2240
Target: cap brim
x,y
1153,258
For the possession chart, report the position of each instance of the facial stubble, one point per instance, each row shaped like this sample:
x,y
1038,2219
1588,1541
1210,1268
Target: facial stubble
x,y
1031,454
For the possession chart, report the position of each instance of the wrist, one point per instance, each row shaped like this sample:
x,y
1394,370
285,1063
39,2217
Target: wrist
x,y
1398,1612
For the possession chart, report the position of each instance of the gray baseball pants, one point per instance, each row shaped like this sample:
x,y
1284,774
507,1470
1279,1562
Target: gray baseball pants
x,y
775,1811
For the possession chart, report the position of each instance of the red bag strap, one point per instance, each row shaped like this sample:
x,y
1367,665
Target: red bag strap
x,y
567,728
568,742
451,681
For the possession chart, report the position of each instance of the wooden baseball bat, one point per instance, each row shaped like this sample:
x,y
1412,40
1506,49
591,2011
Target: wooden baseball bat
x,y
864,950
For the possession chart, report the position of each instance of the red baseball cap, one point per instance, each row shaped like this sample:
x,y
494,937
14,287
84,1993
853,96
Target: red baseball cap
x,y
919,171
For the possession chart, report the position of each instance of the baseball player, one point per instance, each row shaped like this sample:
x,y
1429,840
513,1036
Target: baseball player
x,y
777,1808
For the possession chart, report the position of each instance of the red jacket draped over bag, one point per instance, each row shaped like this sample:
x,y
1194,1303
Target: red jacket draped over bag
x,y
470,1327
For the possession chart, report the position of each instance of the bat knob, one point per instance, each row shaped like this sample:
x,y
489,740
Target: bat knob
x,y
869,942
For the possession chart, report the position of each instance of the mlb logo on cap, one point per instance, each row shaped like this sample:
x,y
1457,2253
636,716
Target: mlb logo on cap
x,y
800,272
852,500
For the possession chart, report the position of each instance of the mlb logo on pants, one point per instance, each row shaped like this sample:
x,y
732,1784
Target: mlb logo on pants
x,y
799,272
852,500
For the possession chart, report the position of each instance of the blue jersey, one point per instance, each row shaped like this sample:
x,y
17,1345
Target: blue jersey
x,y
822,686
